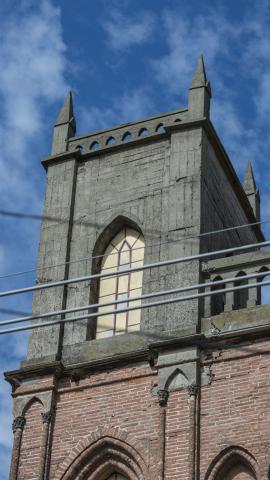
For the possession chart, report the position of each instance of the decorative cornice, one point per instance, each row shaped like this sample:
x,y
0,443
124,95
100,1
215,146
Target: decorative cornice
x,y
163,396
18,423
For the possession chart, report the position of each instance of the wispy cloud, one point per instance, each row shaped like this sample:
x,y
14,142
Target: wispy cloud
x,y
32,64
132,105
125,31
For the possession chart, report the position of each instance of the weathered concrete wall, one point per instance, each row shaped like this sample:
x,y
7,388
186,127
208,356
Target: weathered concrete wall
x,y
220,204
169,186
156,185
53,249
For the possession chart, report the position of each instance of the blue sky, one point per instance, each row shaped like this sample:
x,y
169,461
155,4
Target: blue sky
x,y
122,63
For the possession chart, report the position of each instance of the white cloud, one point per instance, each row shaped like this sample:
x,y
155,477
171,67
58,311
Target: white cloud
x,y
32,64
125,31
130,106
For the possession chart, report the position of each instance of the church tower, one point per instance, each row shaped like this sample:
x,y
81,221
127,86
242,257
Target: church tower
x,y
125,380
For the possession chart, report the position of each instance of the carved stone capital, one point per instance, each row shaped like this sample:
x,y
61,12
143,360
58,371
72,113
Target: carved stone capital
x,y
46,417
18,423
193,389
207,269
163,396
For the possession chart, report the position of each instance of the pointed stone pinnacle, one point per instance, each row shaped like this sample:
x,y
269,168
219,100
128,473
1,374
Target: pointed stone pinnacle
x,y
66,112
249,183
199,78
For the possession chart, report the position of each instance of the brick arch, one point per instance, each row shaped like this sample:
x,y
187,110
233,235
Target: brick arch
x,y
226,460
101,453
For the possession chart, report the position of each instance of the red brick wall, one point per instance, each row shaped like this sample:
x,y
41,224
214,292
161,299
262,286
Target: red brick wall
x,y
235,408
31,443
234,412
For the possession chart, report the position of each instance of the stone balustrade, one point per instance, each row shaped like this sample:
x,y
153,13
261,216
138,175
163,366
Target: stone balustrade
x,y
235,266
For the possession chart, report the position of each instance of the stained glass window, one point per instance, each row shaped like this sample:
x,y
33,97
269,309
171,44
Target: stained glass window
x,y
126,250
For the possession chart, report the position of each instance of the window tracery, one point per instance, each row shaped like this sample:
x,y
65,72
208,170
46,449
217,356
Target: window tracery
x,y
126,250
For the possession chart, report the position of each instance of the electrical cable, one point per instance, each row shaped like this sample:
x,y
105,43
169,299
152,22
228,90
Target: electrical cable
x,y
187,237
135,299
133,270
136,307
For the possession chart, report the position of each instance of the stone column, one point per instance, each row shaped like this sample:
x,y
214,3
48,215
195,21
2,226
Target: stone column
x,y
253,294
229,299
46,419
207,303
17,427
163,396
192,390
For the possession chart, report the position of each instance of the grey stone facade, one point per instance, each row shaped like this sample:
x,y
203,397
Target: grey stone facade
x,y
175,182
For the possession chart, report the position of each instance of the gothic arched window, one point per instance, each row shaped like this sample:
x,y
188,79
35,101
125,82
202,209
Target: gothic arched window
x,y
126,250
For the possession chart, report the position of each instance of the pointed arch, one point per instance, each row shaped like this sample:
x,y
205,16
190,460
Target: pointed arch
x,y
143,132
97,457
110,141
119,246
176,380
127,137
231,462
29,403
160,128
263,292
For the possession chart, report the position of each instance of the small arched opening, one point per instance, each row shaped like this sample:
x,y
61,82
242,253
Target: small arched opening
x,y
127,137
94,146
240,297
143,132
160,128
79,148
217,300
110,141
263,292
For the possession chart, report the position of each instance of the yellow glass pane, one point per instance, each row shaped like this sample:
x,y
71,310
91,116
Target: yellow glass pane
x,y
118,239
123,284
131,236
134,328
120,325
134,317
124,257
135,293
137,254
107,298
105,334
136,280
111,257
105,323
107,286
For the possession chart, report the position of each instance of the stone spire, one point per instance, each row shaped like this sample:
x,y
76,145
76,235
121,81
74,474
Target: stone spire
x,y
252,192
64,127
199,92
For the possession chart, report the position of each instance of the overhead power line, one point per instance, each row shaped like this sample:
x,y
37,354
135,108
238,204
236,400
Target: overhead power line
x,y
53,219
134,269
136,307
134,299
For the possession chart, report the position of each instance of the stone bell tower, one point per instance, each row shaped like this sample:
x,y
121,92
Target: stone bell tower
x,y
123,390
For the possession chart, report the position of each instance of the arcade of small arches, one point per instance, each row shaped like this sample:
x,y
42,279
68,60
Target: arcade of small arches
x,y
225,301
127,136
